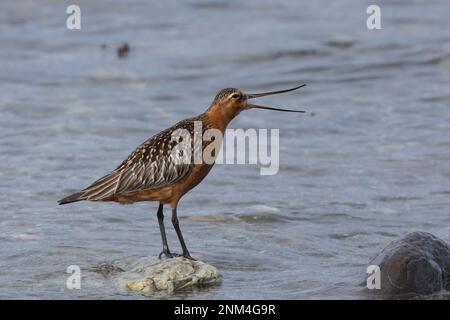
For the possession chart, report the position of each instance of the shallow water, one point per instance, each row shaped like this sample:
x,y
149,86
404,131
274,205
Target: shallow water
x,y
369,166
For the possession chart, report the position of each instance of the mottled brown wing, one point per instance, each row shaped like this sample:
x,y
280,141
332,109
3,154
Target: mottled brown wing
x,y
153,164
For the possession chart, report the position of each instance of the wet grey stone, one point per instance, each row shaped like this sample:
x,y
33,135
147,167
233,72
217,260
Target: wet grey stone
x,y
167,276
107,269
418,263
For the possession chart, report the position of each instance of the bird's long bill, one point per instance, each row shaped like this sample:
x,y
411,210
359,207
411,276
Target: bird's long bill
x,y
257,95
255,106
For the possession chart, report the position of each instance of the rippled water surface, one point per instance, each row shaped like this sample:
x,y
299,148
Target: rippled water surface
x,y
372,163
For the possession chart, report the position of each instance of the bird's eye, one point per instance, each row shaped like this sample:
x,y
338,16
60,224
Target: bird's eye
x,y
235,96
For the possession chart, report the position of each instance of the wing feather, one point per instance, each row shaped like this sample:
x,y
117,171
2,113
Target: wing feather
x,y
152,165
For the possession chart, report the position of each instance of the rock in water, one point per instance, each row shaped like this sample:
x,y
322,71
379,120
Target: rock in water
x,y
174,274
122,51
418,263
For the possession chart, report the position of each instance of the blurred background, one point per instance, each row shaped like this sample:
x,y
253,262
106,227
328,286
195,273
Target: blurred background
x,y
369,166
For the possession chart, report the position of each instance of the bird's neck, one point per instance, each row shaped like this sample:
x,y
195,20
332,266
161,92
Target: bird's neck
x,y
219,117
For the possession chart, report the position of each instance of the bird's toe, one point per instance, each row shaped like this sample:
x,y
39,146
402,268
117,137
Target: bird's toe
x,y
166,254
188,256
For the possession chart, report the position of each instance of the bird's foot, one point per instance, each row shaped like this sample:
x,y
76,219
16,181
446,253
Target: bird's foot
x,y
167,254
188,256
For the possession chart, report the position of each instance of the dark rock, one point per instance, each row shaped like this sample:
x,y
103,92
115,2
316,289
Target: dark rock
x,y
418,263
122,51
107,269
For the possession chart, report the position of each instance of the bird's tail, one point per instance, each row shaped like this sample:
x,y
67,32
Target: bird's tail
x,y
72,198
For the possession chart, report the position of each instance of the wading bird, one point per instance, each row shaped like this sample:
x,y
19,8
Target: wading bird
x,y
150,173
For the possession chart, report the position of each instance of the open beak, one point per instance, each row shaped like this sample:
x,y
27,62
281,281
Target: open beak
x,y
257,95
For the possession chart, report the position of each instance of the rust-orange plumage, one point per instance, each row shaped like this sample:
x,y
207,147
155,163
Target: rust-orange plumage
x,y
152,173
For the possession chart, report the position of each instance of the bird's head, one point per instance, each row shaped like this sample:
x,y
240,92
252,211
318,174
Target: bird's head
x,y
230,102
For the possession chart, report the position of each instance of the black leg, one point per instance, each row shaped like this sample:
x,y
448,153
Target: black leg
x,y
160,216
176,226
